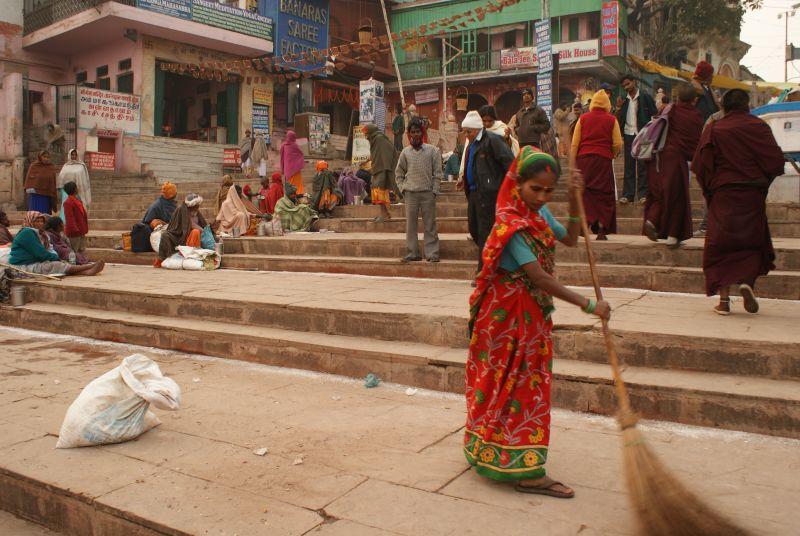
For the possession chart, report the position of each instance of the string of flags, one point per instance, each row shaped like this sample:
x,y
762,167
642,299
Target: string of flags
x,y
286,67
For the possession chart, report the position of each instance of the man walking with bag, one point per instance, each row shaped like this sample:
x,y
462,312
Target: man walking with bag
x,y
636,111
418,176
487,159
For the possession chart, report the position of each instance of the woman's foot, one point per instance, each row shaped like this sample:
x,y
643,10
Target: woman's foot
x,y
750,301
673,243
545,486
650,231
601,236
724,307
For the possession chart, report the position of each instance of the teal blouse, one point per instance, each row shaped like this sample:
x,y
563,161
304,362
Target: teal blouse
x,y
517,253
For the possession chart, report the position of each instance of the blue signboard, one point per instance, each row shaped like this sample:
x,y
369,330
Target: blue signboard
x,y
300,26
213,13
544,79
261,121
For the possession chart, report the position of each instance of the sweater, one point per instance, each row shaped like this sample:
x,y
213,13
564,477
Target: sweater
x,y
27,248
77,222
598,133
419,170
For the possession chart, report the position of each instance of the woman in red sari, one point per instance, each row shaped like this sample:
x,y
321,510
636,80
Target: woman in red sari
x,y
735,163
511,347
595,144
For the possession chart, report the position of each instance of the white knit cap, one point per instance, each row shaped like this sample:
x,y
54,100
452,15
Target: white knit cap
x,y
193,200
472,120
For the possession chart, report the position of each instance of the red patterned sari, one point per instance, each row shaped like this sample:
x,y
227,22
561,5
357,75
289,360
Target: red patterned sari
x,y
511,351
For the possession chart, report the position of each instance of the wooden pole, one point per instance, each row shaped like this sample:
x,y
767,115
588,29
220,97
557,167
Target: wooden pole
x,y
394,56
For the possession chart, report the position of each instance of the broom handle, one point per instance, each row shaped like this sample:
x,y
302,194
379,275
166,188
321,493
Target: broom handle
x,y
619,383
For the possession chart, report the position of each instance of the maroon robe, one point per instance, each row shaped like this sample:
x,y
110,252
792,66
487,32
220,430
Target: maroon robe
x,y
668,205
595,160
735,162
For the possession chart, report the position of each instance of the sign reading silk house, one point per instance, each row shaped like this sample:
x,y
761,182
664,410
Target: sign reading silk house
x,y
301,26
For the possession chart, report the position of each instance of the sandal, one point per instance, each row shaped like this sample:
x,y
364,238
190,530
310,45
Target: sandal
x,y
750,302
650,231
723,308
546,488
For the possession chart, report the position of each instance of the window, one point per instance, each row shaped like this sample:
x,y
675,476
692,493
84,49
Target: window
x,y
104,83
125,83
510,39
124,65
574,28
593,25
102,71
80,77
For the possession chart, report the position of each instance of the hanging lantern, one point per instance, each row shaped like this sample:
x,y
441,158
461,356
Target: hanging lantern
x,y
462,97
365,31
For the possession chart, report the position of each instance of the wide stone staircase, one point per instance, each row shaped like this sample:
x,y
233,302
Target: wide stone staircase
x,y
177,160
407,322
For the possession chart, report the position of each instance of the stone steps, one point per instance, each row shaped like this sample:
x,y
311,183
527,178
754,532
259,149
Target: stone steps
x,y
778,284
416,334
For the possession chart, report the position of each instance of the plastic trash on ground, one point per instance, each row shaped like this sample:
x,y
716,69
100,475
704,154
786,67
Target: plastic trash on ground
x,y
116,406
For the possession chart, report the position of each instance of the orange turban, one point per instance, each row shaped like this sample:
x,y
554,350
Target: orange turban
x,y
322,164
169,190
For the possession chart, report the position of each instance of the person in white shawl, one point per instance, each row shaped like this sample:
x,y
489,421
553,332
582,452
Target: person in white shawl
x,y
74,170
489,121
259,156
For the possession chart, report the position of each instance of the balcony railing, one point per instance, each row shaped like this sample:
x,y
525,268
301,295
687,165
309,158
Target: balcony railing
x,y
476,62
52,11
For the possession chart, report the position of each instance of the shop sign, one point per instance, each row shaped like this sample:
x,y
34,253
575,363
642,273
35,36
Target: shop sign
x,y
573,52
108,110
230,157
372,108
300,26
609,14
426,95
212,13
101,161
261,121
108,134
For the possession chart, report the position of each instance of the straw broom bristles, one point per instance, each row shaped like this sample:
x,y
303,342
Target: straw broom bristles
x,y
663,506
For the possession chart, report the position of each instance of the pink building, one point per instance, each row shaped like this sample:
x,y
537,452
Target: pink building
x,y
93,68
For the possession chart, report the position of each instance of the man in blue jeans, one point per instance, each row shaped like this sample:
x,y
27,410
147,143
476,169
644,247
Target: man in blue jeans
x,y
635,111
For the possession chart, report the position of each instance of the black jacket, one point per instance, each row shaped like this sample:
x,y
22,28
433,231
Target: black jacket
x,y
490,162
647,109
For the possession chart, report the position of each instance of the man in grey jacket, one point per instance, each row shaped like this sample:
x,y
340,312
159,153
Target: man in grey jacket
x,y
418,175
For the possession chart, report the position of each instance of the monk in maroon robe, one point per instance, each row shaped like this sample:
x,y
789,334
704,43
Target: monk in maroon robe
x,y
668,209
735,163
595,143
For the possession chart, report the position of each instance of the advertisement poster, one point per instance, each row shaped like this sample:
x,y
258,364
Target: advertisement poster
x,y
230,157
319,132
108,110
360,146
610,28
372,107
261,121
213,13
544,78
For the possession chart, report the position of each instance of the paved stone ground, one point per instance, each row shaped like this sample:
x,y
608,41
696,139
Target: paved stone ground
x,y
345,460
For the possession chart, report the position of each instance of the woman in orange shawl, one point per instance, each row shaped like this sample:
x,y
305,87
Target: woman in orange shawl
x,y
40,184
510,357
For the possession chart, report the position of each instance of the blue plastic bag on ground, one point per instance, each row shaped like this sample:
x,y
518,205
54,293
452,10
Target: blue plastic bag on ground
x,y
207,238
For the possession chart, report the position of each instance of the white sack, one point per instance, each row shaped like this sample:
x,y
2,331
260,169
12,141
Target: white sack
x,y
116,406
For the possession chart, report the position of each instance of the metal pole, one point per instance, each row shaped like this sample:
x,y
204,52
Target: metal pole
x,y
545,9
444,79
785,44
394,57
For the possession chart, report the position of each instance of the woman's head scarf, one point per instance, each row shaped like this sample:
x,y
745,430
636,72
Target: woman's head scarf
x,y
30,217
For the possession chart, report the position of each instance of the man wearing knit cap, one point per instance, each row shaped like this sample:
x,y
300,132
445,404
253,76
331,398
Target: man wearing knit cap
x,y
701,80
486,161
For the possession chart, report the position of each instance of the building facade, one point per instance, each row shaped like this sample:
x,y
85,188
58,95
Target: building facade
x,y
497,56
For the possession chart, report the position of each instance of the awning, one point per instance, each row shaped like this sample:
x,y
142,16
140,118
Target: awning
x,y
719,81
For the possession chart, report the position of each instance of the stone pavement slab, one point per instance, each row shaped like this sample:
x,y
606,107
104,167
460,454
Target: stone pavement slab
x,y
342,459
634,310
14,526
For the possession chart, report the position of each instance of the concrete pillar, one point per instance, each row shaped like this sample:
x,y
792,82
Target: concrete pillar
x,y
12,120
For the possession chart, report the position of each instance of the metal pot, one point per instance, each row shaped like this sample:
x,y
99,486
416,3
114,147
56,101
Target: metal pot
x,y
18,296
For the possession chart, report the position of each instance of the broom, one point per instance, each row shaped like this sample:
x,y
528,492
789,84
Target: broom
x,y
664,507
